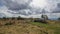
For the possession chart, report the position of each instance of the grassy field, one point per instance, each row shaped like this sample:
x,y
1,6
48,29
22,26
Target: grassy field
x,y
26,27
54,27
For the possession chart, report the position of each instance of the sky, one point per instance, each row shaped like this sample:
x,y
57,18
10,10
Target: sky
x,y
29,8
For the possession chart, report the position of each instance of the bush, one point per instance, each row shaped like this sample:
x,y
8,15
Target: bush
x,y
20,18
13,18
9,23
42,21
4,18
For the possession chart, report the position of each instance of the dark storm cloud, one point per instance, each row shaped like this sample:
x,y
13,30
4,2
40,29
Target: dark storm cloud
x,y
13,5
57,9
56,12
58,5
16,5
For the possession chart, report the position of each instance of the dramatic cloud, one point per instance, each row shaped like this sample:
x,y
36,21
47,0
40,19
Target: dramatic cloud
x,y
57,9
58,5
17,4
29,7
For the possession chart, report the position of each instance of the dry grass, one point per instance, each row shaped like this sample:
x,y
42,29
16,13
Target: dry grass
x,y
24,27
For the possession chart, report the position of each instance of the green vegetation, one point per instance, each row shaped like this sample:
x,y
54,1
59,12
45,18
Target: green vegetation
x,y
20,18
28,26
54,27
39,24
9,24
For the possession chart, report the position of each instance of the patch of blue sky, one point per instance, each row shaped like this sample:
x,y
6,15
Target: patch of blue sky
x,y
1,4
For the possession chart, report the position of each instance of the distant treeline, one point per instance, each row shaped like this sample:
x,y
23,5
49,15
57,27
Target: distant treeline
x,y
18,18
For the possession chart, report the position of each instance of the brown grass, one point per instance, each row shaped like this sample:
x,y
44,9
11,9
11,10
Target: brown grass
x,y
22,27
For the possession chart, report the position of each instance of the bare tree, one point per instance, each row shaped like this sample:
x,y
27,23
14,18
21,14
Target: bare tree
x,y
45,17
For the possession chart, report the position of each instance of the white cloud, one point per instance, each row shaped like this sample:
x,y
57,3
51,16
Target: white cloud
x,y
28,7
39,3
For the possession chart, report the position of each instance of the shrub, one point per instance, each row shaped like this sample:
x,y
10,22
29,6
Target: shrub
x,y
39,20
9,23
13,18
20,18
4,18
